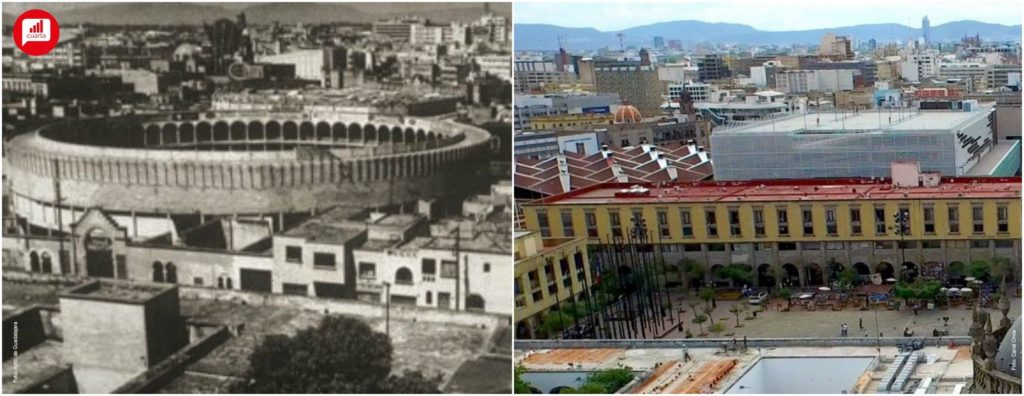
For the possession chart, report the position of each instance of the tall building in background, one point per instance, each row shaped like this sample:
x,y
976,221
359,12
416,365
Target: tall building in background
x,y
926,28
659,42
635,82
712,67
836,46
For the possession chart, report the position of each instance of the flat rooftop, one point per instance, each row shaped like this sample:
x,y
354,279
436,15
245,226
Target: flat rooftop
x,y
787,190
335,226
861,122
130,292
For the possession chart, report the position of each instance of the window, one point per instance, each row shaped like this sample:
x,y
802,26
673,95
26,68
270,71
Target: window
x,y
294,289
978,218
787,245
691,247
808,218
293,254
734,222
883,245
542,223
811,246
957,244
879,220
929,219
624,143
905,225
591,220
931,244
403,276
906,244
581,148
367,271
834,246
1003,217
663,223
684,217
615,223
855,228
429,269
449,269
980,244
783,216
487,267
430,299
325,260
198,281
712,226
716,247
1004,243
830,221
954,219
741,247
758,222
567,223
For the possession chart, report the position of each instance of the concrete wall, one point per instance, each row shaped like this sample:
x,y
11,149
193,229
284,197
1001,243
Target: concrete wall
x,y
25,326
105,342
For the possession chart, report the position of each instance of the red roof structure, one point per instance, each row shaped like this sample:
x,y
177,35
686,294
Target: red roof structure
x,y
673,162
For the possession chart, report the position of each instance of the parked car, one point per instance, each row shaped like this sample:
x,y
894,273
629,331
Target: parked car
x,y
758,299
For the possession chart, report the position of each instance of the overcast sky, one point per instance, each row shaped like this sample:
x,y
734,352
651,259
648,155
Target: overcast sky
x,y
770,15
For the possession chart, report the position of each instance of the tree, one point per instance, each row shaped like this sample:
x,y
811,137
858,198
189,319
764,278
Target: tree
x,y
611,379
846,278
736,310
555,322
708,309
717,328
320,360
699,319
1001,266
521,386
979,269
737,273
787,294
708,295
691,268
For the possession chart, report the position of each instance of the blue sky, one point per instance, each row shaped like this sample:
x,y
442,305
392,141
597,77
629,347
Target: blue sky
x,y
771,15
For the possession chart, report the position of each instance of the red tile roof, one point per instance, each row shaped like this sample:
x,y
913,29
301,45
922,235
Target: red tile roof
x,y
634,164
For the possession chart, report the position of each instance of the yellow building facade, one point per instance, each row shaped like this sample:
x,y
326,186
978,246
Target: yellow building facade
x,y
568,121
789,232
549,274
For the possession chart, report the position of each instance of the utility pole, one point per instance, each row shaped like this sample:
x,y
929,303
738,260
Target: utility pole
x,y
60,220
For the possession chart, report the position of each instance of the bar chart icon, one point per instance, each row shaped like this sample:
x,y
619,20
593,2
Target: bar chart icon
x,y
35,30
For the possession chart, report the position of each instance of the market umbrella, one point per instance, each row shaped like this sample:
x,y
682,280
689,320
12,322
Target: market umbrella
x,y
970,278
824,288
891,280
966,290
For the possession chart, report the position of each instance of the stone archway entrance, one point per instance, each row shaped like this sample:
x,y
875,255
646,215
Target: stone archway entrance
x,y
99,255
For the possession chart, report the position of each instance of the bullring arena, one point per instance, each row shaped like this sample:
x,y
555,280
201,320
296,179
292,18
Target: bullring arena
x,y
144,170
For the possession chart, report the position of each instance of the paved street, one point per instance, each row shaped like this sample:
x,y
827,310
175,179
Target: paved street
x,y
800,323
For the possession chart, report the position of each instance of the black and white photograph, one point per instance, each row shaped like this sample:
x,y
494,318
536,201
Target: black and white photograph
x,y
257,198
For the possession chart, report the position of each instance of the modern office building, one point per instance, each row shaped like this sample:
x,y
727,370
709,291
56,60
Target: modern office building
x,y
803,81
534,74
833,45
712,67
855,144
636,83
541,285
801,232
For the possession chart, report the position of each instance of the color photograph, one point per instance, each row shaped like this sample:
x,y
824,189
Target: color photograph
x,y
767,197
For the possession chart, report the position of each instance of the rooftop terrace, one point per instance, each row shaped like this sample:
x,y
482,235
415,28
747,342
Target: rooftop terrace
x,y
864,121
786,190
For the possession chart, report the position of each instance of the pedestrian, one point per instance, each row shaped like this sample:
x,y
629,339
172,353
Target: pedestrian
x,y
744,343
862,323
844,330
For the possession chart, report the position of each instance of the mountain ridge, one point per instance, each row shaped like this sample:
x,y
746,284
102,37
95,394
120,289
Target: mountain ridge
x,y
545,36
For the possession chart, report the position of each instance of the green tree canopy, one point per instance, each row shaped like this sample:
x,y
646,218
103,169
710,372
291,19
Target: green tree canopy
x,y
320,360
519,385
738,273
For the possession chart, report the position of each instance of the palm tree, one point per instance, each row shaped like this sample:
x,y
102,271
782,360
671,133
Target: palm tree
x,y
787,294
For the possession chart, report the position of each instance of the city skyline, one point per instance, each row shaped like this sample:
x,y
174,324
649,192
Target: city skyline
x,y
762,16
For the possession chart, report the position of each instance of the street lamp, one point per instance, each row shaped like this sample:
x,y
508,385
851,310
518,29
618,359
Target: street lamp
x,y
387,309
